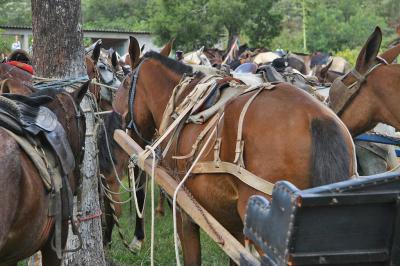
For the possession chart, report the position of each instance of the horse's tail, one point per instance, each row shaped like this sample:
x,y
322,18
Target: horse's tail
x,y
331,156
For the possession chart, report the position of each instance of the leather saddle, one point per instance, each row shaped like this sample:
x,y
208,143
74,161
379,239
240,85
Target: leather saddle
x,y
270,74
247,68
25,116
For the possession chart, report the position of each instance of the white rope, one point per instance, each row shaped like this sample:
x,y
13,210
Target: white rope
x,y
93,81
153,166
131,170
178,263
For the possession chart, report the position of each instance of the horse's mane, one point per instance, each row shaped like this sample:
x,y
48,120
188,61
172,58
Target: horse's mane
x,y
20,56
172,64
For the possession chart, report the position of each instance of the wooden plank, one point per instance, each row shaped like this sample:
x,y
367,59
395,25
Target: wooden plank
x,y
232,247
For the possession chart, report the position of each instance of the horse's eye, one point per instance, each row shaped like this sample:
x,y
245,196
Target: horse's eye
x,y
102,67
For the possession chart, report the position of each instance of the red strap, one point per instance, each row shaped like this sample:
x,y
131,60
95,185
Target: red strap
x,y
23,66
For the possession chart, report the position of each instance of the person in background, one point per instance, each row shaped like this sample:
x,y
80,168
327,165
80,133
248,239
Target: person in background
x,y
16,45
3,57
179,55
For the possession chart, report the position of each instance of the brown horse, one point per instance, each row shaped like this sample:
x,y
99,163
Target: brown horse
x,y
287,135
369,94
25,224
120,160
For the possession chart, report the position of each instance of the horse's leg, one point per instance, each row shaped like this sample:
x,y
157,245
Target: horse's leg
x,y
189,234
160,206
114,187
139,223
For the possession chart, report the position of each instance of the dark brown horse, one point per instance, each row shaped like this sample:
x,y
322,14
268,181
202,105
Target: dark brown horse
x,y
25,226
287,135
370,93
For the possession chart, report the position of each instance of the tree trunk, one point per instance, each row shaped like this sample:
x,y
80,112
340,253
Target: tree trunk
x,y
58,52
57,33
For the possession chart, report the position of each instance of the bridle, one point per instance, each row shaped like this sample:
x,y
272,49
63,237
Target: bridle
x,y
338,103
132,92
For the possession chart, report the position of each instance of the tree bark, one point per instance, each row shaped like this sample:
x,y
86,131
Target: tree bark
x,y
58,52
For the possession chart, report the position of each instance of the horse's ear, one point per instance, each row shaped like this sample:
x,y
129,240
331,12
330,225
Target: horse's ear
x,y
369,51
391,54
142,49
134,51
96,52
79,93
166,50
114,59
325,69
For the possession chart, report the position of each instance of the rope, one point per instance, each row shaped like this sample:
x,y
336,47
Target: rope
x,y
176,195
45,83
91,216
115,218
153,166
94,81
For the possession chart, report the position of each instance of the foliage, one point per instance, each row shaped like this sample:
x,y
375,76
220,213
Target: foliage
x,y
203,22
349,54
187,21
333,25
5,44
15,12
116,14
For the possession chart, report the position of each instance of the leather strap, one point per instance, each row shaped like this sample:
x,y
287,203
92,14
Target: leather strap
x,y
201,136
239,140
243,175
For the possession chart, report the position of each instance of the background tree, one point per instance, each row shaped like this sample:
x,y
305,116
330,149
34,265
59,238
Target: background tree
x,y
188,21
58,53
116,14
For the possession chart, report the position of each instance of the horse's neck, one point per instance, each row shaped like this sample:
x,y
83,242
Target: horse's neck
x,y
158,94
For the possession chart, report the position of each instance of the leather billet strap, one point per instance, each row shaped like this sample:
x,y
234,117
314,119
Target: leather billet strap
x,y
346,92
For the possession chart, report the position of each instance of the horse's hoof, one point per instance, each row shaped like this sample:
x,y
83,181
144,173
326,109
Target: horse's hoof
x,y
136,244
160,212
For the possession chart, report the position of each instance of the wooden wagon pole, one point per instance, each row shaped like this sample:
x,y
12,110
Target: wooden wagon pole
x,y
58,52
231,246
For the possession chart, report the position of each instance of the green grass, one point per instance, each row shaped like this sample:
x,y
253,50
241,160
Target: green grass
x,y
164,244
164,252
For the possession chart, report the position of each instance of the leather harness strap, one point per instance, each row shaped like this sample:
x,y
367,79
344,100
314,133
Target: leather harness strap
x,y
239,140
243,175
338,103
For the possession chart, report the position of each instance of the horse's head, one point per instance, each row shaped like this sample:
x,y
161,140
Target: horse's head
x,y
141,98
369,93
102,66
196,58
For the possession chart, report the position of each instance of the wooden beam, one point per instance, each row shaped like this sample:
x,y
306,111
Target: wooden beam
x,y
231,246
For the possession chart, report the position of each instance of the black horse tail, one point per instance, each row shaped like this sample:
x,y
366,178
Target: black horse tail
x,y
330,158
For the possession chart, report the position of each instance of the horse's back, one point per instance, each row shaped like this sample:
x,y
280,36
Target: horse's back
x,y
278,133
